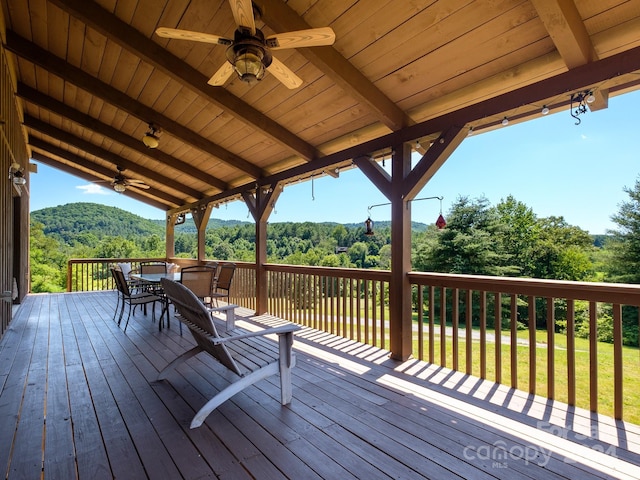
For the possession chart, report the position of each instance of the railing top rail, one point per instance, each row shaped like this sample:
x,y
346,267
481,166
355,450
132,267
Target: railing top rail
x,y
618,293
113,260
355,273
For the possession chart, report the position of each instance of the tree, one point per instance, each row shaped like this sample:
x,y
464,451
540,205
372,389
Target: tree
x,y
521,233
468,243
625,241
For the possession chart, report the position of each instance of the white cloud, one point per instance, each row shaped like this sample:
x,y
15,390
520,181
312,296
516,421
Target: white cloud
x,y
93,189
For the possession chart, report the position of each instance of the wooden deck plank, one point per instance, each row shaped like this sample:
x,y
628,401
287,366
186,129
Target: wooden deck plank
x,y
88,444
59,459
123,458
355,413
19,360
27,445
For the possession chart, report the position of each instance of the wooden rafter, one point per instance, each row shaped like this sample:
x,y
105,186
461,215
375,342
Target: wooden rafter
x,y
282,18
566,28
77,172
33,96
130,39
33,53
107,156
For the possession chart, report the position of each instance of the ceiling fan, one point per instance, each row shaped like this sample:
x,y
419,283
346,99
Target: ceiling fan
x,y
249,53
120,182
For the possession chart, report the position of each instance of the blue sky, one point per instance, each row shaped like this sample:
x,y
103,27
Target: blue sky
x,y
550,164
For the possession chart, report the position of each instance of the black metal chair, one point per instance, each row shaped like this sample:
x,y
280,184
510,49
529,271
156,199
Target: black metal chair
x,y
126,297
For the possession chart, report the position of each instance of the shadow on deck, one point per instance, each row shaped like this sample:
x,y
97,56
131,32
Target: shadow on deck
x,y
79,399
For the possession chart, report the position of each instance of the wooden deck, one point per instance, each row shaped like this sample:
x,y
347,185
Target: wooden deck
x,y
79,399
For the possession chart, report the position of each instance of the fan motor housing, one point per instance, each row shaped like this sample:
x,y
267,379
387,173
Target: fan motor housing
x,y
249,55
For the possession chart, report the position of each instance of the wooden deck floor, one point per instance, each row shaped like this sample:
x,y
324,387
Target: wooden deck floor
x,y
79,399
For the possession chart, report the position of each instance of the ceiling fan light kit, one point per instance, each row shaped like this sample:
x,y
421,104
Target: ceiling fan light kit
x,y
249,53
150,139
120,182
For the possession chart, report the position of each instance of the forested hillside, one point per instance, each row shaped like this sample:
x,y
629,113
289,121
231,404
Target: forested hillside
x,y
75,220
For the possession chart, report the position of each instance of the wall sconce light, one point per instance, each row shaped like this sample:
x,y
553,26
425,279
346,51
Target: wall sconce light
x,y
368,223
16,174
581,99
150,138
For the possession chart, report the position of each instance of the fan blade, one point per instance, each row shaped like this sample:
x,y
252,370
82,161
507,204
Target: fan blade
x,y
284,74
141,185
135,180
222,75
243,14
194,36
313,37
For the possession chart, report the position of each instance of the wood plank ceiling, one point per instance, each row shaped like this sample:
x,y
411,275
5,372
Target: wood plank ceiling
x,y
92,75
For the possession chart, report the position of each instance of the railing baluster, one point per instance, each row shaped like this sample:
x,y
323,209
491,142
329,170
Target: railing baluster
x,y
551,348
432,314
443,326
571,353
532,344
513,347
455,310
593,356
469,330
497,327
483,334
420,296
617,362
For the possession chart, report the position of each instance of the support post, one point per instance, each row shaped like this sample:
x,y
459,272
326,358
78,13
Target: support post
x,y
170,236
201,216
400,331
260,205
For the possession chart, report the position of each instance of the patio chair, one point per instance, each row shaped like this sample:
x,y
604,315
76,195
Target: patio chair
x,y
200,280
222,286
133,299
243,353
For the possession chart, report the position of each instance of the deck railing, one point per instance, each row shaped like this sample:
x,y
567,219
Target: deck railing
x,y
479,325
90,274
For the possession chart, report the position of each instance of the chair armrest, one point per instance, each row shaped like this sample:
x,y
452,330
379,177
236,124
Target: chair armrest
x,y
277,330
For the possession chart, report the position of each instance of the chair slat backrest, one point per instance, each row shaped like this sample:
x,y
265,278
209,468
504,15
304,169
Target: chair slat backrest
x,y
155,267
199,279
199,321
225,275
121,282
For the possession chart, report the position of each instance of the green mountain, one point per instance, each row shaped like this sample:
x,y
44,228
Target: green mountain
x,y
69,221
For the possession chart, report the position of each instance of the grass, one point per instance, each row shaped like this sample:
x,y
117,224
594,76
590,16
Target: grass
x,y
605,373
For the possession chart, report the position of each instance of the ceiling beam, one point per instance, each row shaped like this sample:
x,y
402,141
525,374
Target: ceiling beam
x,y
116,160
563,84
70,169
35,97
282,18
38,56
132,40
562,21
566,28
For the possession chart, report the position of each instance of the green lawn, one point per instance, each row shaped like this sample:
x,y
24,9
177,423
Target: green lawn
x,y
631,368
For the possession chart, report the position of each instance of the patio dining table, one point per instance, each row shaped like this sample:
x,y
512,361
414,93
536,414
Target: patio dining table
x,y
154,279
